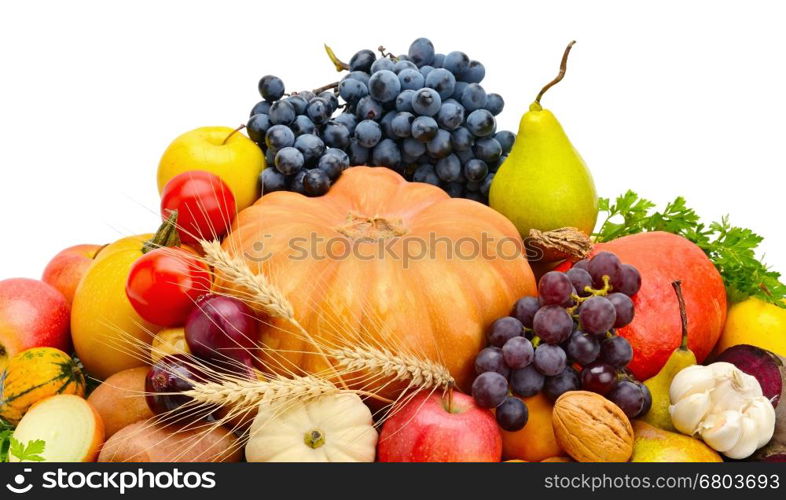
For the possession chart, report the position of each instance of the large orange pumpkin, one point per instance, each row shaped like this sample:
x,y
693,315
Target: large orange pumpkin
x,y
340,260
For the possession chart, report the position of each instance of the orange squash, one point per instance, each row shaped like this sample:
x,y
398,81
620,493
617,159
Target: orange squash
x,y
36,374
350,264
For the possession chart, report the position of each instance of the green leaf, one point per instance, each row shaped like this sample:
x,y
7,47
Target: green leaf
x,y
5,443
732,249
30,453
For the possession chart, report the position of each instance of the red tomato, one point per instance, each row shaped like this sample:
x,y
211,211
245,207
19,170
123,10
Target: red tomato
x,y
164,284
205,205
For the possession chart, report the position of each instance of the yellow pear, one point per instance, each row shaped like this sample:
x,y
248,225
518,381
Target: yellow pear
x,y
651,444
659,385
544,183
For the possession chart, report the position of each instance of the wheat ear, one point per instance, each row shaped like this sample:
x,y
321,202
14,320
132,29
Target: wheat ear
x,y
424,374
251,393
236,270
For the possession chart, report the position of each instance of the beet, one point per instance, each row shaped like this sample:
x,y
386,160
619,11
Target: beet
x,y
762,364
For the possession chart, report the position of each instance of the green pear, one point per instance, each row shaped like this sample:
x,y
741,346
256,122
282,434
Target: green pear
x,y
660,384
544,184
651,444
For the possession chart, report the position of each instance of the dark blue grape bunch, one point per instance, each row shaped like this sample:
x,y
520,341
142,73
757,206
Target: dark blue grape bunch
x,y
305,149
422,114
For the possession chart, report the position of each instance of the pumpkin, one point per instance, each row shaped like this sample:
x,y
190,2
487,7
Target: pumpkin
x,y
332,428
36,374
350,264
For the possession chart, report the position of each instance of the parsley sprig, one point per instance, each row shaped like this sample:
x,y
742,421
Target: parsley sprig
x,y
732,249
30,452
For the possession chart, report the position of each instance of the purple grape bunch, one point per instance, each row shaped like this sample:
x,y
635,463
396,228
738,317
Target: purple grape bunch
x,y
564,340
423,114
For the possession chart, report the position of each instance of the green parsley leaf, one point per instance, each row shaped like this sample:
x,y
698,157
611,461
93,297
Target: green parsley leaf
x,y
732,249
30,453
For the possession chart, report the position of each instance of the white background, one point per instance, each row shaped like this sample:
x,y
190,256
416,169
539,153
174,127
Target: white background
x,y
663,97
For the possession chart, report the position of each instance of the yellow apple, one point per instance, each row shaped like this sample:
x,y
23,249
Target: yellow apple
x,y
755,322
234,158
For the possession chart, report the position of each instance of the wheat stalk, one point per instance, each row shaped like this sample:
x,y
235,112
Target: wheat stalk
x,y
422,373
252,393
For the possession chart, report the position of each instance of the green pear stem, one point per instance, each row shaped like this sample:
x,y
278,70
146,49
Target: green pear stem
x,y
166,236
677,285
563,66
238,129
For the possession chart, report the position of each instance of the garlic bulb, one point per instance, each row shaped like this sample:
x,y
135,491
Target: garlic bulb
x,y
689,412
724,406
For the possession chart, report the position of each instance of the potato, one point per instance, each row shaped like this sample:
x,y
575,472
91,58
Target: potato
x,y
149,442
120,400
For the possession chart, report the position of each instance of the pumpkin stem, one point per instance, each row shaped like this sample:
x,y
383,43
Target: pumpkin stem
x,y
314,439
364,228
166,236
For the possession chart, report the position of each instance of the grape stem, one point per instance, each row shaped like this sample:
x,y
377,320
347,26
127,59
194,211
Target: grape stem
x,y
389,55
562,68
238,129
594,292
323,88
338,63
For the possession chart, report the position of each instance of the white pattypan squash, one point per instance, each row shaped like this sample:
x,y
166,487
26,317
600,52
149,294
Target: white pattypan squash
x,y
334,428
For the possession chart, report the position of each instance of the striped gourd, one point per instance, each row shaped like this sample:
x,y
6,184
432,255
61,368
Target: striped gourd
x,y
35,374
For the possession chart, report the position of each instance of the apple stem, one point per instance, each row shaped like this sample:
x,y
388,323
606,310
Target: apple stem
x,y
677,285
95,256
238,129
166,236
450,399
563,66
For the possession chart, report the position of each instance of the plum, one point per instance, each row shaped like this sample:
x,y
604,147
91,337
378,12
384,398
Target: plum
x,y
761,364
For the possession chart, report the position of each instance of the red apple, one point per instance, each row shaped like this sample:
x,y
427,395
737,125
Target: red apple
x,y
66,269
32,314
425,429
